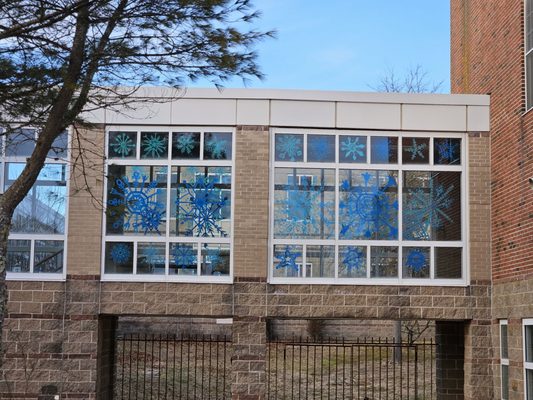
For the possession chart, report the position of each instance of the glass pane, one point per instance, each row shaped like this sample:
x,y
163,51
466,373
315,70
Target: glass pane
x,y
304,203
18,255
415,150
59,146
431,205
529,342
217,146
154,145
416,261
215,259
44,207
384,262
136,200
368,204
200,203
529,25
352,149
48,256
529,384
320,262
383,150
122,145
118,258
504,348
352,262
20,142
186,145
289,147
151,258
288,261
505,382
447,151
320,148
448,262
529,80
183,259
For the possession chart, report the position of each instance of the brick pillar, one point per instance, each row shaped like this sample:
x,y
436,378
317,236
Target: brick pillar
x,y
478,360
107,326
450,360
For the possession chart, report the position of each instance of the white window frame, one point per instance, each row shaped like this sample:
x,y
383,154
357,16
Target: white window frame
x,y
400,168
527,365
5,159
529,102
167,238
503,360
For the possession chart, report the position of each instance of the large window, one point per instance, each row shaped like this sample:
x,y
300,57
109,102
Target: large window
x,y
36,245
528,358
169,205
366,207
504,359
529,53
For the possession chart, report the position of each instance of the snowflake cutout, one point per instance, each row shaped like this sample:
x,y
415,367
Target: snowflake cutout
x,y
354,258
200,207
151,255
416,259
416,150
185,143
447,150
135,205
352,148
184,255
123,145
368,211
288,258
217,147
289,147
154,146
120,253
426,209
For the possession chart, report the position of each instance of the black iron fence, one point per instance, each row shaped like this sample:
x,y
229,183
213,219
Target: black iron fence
x,y
172,367
369,369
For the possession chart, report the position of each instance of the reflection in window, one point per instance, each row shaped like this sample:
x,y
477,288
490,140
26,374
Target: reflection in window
x,y
20,142
384,262
320,148
383,150
48,256
18,255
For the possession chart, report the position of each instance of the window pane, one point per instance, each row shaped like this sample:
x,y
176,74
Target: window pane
x,y
217,146
122,145
59,146
183,259
529,342
320,148
136,200
352,149
503,341
448,262
20,142
529,25
529,384
447,151
48,256
288,261
505,382
154,145
304,203
320,262
289,148
383,150
384,262
431,205
415,150
368,204
215,259
186,145
200,201
118,258
352,262
416,261
151,258
529,80
18,255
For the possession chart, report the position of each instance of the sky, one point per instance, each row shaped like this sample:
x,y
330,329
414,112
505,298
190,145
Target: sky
x,y
351,44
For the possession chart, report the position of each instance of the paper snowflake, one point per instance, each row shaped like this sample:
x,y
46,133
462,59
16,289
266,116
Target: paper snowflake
x,y
416,260
354,258
186,143
154,146
416,150
120,253
288,258
217,147
352,148
289,147
122,145
184,255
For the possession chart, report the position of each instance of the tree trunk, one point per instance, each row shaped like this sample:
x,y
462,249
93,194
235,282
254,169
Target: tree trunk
x,y
398,339
5,221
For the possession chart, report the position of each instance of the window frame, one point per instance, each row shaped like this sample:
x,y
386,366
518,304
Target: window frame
x,y
504,360
32,237
527,83
527,365
166,237
464,243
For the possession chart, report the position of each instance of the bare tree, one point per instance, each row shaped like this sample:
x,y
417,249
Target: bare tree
x,y
61,57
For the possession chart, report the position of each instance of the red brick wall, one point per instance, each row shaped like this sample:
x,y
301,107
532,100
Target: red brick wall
x,y
487,57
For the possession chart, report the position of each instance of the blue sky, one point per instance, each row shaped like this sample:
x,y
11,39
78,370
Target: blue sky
x,y
350,45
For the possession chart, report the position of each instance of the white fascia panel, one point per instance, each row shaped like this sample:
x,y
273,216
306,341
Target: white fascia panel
x,y
204,112
253,112
478,119
433,117
144,111
316,114
368,116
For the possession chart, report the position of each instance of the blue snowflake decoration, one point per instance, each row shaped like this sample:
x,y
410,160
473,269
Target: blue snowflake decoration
x,y
303,211
354,258
151,255
447,150
288,258
122,145
135,204
120,253
199,208
185,143
320,148
416,150
426,209
217,147
353,149
368,211
416,260
184,255
289,147
154,145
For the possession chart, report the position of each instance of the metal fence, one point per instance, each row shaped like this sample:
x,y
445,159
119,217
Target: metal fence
x,y
171,367
369,369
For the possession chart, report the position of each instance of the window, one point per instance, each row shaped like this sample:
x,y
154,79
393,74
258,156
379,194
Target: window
x,y
365,207
529,53
168,205
504,359
528,358
36,244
